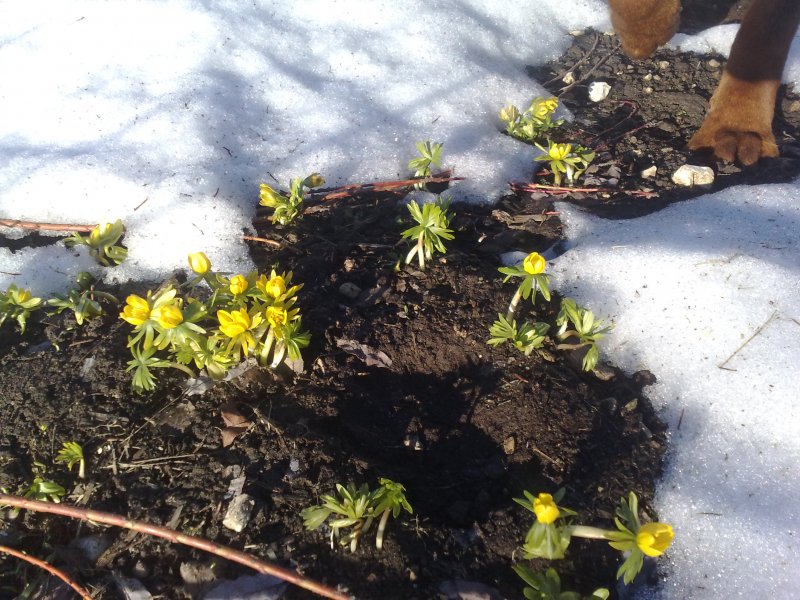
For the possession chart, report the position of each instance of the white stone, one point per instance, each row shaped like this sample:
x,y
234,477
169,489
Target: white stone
x,y
569,78
598,91
649,172
692,175
238,513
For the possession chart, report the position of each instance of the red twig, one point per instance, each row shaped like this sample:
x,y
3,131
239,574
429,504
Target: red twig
x,y
518,186
386,186
175,537
252,238
45,226
49,568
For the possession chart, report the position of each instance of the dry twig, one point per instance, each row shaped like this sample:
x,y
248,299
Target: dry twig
x,y
49,568
45,226
518,186
177,538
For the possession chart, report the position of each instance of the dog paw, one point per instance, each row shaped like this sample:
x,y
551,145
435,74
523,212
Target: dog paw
x,y
739,125
734,145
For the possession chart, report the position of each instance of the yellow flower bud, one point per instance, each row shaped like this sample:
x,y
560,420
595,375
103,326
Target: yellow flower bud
x,y
136,310
199,263
100,231
168,316
277,316
269,197
654,538
559,151
238,285
314,180
23,296
509,114
545,509
275,287
534,263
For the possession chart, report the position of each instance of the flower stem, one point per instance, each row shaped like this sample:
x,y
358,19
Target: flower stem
x,y
381,529
589,533
512,306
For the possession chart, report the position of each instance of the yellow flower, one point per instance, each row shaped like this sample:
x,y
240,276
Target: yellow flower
x,y
545,509
168,316
541,107
314,180
233,323
534,263
269,197
23,296
509,114
238,285
199,263
559,151
236,325
136,311
275,287
654,538
277,316
100,231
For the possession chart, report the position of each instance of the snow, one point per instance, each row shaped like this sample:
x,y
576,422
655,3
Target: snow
x,y
168,115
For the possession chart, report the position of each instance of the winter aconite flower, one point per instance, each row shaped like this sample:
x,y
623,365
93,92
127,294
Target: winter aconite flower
x,y
559,151
199,263
238,285
168,316
534,263
545,509
541,107
237,324
509,114
136,311
275,287
276,316
269,197
654,538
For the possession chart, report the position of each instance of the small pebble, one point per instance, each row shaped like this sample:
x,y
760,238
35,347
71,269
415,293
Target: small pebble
x,y
713,63
647,90
598,91
649,172
692,175
238,513
663,65
569,78
349,290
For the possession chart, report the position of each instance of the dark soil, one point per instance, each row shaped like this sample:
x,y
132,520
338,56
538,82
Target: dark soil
x,y
463,426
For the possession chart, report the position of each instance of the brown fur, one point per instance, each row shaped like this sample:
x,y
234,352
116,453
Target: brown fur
x,y
739,123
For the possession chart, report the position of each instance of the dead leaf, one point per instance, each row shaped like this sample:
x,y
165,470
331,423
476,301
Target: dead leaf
x,y
370,356
235,423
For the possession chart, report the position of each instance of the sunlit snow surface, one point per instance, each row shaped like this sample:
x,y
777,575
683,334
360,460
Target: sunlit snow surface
x,y
169,114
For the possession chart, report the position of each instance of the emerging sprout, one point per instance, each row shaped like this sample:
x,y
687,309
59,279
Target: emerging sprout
x,y
18,304
357,508
585,328
102,243
289,207
430,153
547,586
71,454
526,339
433,221
83,300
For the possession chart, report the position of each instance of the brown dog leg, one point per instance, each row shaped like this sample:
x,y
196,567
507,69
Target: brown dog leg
x,y
739,124
644,25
